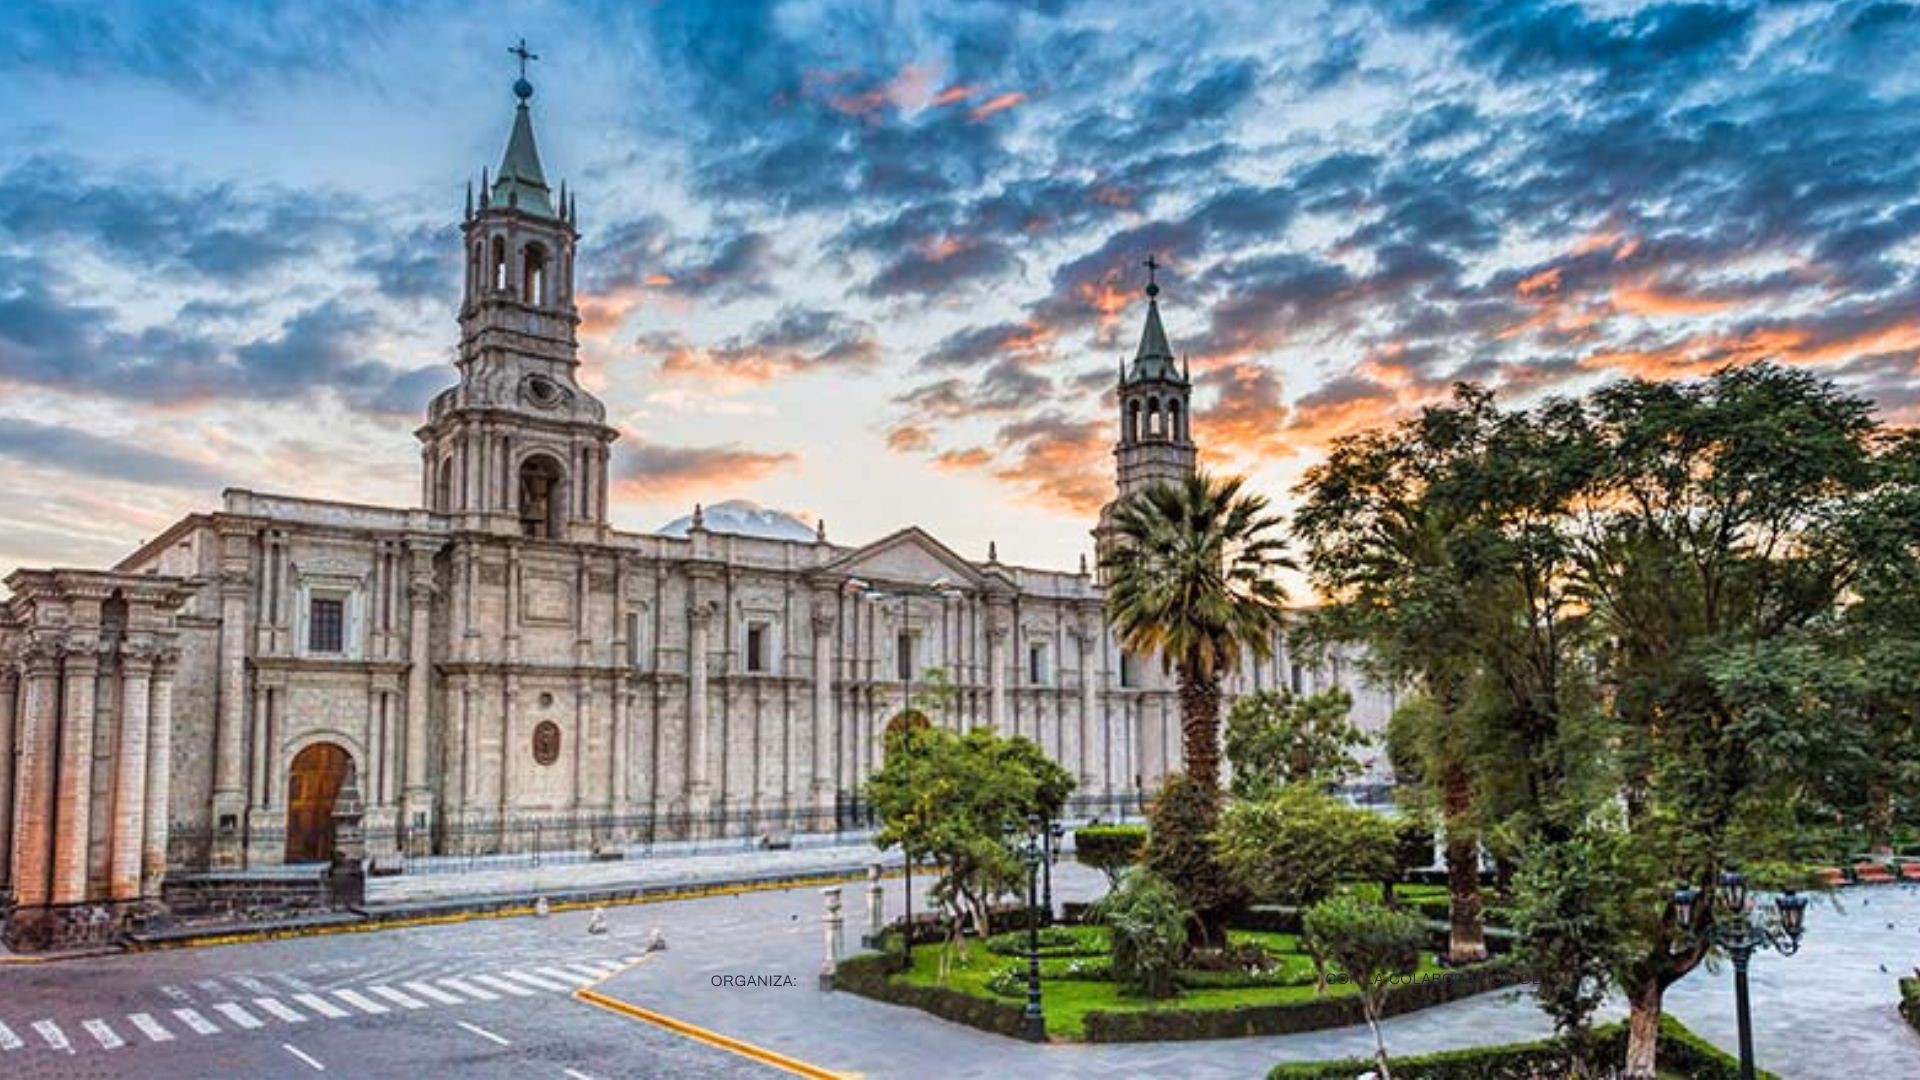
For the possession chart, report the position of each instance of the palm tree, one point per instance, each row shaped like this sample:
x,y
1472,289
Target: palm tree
x,y
1191,577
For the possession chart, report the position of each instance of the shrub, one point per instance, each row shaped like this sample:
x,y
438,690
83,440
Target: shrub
x,y
1054,941
868,975
1299,845
1373,945
1181,851
1681,1051
1910,1001
1110,849
1147,925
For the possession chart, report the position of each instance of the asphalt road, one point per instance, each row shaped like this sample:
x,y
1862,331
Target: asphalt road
x,y
486,998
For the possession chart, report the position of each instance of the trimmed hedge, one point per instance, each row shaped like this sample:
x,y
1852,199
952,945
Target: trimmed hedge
x,y
868,975
1910,1001
1680,1051
1288,1018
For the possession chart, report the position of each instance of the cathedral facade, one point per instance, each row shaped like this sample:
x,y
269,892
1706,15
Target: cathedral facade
x,y
498,667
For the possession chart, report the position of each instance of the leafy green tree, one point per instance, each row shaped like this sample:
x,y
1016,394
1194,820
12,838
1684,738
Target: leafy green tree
x,y
1147,926
1182,850
1299,845
1568,907
1373,946
1110,849
1711,531
1276,738
954,799
1192,577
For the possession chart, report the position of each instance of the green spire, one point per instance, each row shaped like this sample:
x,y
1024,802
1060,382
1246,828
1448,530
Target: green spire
x,y
521,183
1154,359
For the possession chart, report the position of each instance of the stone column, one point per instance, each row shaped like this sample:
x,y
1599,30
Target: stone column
x,y
130,777
418,798
833,923
997,677
229,759
9,700
823,725
699,790
73,805
876,904
33,779
1095,778
159,775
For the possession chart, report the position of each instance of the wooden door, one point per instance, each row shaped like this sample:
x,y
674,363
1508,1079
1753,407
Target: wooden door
x,y
316,776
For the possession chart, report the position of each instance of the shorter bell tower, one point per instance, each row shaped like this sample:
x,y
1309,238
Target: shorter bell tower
x,y
518,446
1155,397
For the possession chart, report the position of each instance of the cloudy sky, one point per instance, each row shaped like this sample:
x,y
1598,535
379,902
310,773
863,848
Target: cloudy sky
x,y
876,262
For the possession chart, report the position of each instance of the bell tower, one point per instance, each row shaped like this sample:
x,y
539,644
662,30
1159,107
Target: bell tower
x,y
518,446
1155,397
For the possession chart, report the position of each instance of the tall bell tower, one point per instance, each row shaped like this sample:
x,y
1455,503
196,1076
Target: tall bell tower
x,y
518,446
1155,397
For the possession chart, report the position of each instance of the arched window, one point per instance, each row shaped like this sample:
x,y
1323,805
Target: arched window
x,y
1154,418
443,487
533,274
1174,431
499,274
543,497
1133,421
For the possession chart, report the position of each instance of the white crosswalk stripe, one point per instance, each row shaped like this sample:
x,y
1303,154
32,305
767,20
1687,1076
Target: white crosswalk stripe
x,y
279,1008
564,975
150,1027
433,993
501,984
321,1005
398,998
535,981
234,1012
361,1001
50,1031
108,1038
200,1024
8,1040
469,989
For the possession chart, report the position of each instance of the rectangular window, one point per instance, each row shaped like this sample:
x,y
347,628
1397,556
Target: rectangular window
x,y
1129,678
757,658
326,624
634,652
1037,673
903,657
1299,681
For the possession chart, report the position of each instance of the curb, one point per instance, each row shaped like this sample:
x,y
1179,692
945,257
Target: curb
x,y
447,913
711,1038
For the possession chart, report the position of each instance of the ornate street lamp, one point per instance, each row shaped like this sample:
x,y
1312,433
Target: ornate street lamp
x,y
1033,1022
1050,838
1741,935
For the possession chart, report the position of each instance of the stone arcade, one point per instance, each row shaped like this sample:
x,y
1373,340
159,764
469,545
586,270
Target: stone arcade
x,y
500,655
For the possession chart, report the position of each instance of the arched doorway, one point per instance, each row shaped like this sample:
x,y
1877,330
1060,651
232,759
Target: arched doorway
x,y
312,783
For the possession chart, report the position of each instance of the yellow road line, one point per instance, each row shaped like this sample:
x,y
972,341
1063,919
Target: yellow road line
x,y
694,893
711,1038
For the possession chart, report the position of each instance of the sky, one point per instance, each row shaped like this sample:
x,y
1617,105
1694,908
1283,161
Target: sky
x,y
877,262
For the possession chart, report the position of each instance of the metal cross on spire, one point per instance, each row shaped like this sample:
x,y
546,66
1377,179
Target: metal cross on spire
x,y
520,51
1153,266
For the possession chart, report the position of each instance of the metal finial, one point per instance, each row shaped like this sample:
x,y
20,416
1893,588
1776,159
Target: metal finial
x,y
699,517
1083,564
820,530
993,551
469,198
1153,284
523,89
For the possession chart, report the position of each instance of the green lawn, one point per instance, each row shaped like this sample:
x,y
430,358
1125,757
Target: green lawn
x,y
1067,1000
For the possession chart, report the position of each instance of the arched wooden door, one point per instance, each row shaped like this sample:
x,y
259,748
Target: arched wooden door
x,y
316,776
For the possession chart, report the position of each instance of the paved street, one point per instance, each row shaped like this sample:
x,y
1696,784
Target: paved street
x,y
492,998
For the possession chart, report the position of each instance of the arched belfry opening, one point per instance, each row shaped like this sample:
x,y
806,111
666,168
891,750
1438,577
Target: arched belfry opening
x,y
533,275
542,497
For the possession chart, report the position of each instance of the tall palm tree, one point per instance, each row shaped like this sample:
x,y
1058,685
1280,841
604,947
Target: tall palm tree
x,y
1191,577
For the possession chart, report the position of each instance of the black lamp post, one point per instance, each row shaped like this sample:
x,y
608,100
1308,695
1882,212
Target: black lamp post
x,y
1050,838
1741,935
1033,1022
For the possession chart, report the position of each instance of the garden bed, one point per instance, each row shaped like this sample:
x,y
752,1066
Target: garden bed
x,y
1682,1056
1083,1003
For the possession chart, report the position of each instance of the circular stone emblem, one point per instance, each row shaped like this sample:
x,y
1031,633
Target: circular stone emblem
x,y
546,742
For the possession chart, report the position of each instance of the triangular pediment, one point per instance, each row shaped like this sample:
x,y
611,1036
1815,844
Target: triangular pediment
x,y
907,557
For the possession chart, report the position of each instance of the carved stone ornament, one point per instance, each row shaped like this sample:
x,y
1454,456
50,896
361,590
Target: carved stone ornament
x,y
543,393
546,742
